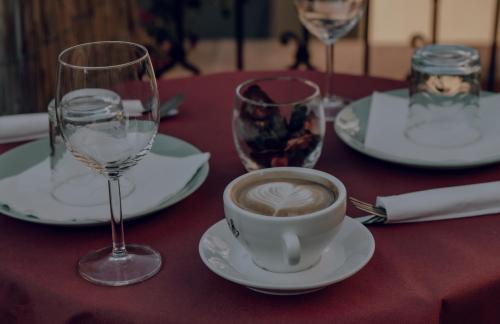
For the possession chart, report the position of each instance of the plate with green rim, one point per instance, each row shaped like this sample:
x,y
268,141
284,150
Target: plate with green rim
x,y
351,126
22,157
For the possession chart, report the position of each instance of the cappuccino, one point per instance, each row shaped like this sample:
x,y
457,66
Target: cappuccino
x,y
282,196
260,206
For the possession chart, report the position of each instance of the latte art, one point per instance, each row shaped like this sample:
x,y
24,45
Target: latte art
x,y
281,195
284,197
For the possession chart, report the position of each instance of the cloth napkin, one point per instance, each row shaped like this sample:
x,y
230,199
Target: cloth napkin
x,y
24,127
156,178
442,203
387,122
16,128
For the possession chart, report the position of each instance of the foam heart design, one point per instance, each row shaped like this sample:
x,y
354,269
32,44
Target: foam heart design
x,y
283,195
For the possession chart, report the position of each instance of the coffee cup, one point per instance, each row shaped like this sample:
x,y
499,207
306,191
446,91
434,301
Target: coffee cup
x,y
285,217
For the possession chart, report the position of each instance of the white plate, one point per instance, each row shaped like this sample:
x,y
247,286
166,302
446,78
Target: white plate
x,y
352,122
350,250
25,156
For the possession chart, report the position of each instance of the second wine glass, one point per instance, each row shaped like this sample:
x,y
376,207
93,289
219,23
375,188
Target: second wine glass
x,y
96,81
329,20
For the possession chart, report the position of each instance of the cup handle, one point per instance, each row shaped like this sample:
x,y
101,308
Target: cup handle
x,y
292,247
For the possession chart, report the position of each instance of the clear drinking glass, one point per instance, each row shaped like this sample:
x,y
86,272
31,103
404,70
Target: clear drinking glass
x,y
72,183
444,96
329,20
278,122
93,81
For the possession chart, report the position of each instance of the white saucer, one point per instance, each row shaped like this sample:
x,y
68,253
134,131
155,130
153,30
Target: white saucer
x,y
350,250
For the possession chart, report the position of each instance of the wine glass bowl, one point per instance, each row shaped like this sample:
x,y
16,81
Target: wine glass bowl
x,y
329,20
97,84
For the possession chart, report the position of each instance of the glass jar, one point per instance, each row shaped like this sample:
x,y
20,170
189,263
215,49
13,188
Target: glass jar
x,y
278,121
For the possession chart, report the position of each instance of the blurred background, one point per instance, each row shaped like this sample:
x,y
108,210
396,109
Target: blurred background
x,y
188,37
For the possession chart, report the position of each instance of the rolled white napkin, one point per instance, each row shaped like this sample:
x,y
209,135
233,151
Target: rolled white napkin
x,y
156,178
24,127
443,203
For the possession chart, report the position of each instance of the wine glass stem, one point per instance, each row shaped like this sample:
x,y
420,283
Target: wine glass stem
x,y
115,205
329,71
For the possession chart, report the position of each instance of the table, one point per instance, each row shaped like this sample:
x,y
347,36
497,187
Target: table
x,y
446,271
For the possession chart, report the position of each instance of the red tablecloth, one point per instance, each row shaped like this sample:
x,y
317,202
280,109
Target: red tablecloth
x,y
446,271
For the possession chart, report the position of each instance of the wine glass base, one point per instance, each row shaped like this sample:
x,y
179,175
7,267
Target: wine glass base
x,y
333,105
101,267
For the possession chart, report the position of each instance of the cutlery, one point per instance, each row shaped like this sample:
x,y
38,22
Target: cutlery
x,y
171,107
379,213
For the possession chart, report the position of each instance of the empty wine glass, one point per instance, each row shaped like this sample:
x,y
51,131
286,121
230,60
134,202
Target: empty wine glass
x,y
329,20
93,82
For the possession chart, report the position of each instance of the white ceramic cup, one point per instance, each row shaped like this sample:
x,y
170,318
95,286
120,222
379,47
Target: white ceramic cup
x,y
292,243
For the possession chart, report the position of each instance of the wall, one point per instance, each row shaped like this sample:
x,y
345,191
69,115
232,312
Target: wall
x,y
49,26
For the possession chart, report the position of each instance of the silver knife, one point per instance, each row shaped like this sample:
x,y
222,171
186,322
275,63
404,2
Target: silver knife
x,y
171,107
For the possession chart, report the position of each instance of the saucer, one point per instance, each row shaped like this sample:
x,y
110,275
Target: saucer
x,y
350,250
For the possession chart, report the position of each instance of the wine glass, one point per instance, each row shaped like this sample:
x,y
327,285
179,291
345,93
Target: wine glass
x,y
329,20
94,82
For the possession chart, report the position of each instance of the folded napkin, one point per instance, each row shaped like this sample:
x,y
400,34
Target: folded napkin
x,y
443,203
16,128
387,122
156,178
